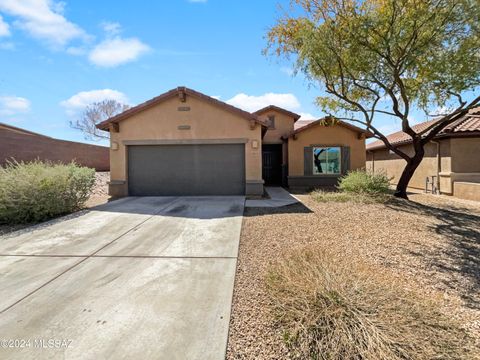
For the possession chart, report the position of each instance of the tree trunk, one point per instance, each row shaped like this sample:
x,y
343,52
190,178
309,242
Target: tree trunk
x,y
407,174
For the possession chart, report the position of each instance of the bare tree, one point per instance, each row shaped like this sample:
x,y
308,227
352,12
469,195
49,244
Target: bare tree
x,y
94,114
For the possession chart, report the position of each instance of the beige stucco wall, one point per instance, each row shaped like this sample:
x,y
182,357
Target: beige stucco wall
x,y
393,165
206,121
325,135
466,190
283,127
466,152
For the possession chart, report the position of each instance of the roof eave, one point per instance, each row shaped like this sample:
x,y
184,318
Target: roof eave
x,y
104,125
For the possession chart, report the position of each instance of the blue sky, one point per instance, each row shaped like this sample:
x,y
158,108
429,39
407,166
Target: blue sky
x,y
56,57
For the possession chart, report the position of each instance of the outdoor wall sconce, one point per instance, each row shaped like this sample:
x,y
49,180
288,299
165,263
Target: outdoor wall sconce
x,y
254,144
114,145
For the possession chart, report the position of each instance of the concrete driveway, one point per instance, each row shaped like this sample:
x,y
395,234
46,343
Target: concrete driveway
x,y
146,278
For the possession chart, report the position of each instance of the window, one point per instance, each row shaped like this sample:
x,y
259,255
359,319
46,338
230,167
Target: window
x,y
271,122
326,160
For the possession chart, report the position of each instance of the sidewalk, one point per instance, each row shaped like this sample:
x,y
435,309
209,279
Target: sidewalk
x,y
278,197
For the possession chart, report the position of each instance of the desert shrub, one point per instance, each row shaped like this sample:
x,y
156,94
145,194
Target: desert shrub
x,y
37,191
362,182
329,306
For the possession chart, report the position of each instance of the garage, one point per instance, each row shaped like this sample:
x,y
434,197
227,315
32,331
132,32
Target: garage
x,y
183,170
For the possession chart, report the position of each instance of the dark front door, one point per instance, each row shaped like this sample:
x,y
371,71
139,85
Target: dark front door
x,y
210,169
272,164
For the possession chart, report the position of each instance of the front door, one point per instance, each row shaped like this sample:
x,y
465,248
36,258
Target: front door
x,y
272,164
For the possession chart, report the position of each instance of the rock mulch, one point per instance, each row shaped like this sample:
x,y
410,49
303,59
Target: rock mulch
x,y
100,190
432,241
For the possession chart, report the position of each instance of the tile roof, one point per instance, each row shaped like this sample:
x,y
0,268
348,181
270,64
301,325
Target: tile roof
x,y
279,109
179,91
466,124
307,124
302,123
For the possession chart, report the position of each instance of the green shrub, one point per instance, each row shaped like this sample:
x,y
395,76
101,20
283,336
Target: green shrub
x,y
362,182
37,191
330,306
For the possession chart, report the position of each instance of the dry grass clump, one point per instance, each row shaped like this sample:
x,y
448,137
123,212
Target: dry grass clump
x,y
337,196
331,306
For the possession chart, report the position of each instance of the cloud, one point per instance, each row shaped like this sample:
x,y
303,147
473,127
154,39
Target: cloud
x,y
117,51
4,27
13,105
43,19
197,1
78,102
254,103
111,28
307,116
7,46
287,70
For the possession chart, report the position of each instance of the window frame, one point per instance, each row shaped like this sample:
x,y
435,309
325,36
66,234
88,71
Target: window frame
x,y
271,122
314,147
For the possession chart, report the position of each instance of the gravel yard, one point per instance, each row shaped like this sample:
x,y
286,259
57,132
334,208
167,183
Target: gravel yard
x,y
100,189
433,242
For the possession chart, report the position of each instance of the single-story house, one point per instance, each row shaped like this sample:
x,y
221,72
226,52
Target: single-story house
x,y
24,145
453,158
186,143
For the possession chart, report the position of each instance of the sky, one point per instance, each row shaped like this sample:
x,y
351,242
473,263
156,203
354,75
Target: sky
x,y
58,57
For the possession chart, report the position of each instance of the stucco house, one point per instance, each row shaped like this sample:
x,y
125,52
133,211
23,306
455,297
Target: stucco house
x,y
186,143
453,158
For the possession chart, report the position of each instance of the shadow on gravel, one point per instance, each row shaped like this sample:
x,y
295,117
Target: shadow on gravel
x,y
297,208
461,261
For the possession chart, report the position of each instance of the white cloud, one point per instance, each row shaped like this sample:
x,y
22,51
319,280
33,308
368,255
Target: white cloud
x,y
78,102
254,103
4,27
111,28
286,70
7,46
117,51
307,116
43,19
13,105
197,1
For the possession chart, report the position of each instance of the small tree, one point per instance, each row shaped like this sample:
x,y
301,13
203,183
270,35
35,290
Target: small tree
x,y
386,57
96,113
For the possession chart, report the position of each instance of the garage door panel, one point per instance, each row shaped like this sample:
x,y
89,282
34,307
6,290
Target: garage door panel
x,y
207,169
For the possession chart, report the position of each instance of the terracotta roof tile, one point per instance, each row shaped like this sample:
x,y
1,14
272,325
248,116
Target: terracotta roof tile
x,y
302,123
468,123
104,125
307,124
279,109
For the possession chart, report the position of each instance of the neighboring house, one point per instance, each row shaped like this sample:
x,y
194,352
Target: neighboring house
x,y
453,158
186,143
23,145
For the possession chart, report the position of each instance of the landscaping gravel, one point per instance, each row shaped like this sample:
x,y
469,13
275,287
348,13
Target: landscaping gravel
x,y
432,241
99,193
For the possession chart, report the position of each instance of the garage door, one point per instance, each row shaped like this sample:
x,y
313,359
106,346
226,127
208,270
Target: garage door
x,y
213,169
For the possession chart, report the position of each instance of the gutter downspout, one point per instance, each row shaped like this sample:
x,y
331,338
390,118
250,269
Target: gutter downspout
x,y
372,153
439,164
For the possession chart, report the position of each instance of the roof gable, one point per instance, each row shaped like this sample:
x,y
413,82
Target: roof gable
x,y
182,92
314,123
278,109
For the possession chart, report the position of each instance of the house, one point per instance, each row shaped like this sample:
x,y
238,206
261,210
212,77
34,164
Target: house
x,y
24,145
186,143
452,158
